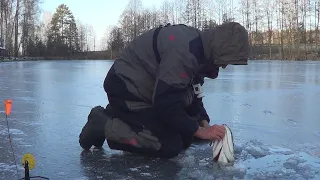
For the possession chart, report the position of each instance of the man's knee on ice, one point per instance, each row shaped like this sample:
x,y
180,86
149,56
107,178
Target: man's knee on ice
x,y
120,132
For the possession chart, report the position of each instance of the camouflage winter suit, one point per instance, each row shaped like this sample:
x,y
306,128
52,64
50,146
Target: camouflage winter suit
x,y
153,107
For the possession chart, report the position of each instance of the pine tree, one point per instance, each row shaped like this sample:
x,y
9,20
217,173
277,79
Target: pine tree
x,y
63,36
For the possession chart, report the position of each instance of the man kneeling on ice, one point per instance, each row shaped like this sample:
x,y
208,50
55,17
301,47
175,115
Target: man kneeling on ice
x,y
154,90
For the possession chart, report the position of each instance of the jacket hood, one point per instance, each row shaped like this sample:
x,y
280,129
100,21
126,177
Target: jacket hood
x,y
226,44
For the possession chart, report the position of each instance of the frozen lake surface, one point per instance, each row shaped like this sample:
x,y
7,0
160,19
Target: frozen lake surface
x,y
272,108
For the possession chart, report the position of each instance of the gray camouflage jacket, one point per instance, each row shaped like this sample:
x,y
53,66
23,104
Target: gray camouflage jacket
x,y
159,68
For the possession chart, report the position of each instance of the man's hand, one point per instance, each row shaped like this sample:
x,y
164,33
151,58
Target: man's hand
x,y
212,133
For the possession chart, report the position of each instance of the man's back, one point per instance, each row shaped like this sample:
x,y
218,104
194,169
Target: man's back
x,y
137,65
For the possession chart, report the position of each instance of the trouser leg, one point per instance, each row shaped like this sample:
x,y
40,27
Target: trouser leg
x,y
121,136
135,134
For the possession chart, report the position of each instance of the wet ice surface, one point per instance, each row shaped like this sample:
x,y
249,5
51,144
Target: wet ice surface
x,y
271,107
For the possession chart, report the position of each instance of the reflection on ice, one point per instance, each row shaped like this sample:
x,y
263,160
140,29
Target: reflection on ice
x,y
271,106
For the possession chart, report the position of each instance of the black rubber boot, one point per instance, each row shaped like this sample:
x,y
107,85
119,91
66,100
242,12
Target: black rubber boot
x,y
93,131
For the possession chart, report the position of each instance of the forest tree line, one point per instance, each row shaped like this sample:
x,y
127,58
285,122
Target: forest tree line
x,y
22,33
278,29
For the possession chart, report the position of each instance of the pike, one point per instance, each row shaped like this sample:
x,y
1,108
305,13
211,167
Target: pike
x,y
223,150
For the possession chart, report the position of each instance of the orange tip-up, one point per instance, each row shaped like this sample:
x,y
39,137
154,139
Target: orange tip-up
x,y
7,106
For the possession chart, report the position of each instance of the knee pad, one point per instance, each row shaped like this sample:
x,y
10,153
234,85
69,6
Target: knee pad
x,y
118,131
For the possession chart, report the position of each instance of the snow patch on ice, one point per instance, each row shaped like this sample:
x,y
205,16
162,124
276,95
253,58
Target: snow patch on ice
x,y
187,161
6,167
139,168
134,169
280,150
254,160
17,139
312,149
293,162
145,174
256,149
197,174
12,131
26,145
276,162
204,162
61,173
10,168
36,124
82,178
